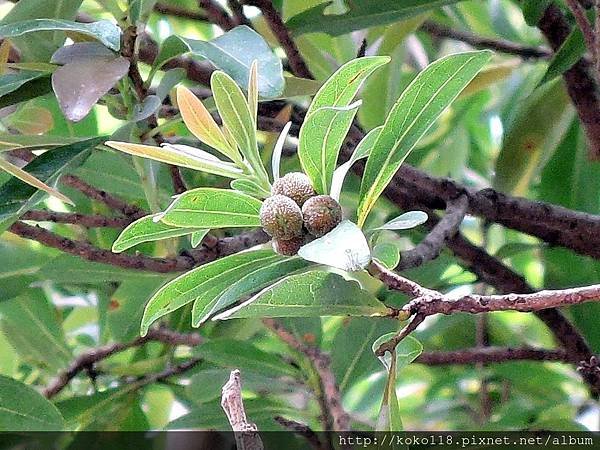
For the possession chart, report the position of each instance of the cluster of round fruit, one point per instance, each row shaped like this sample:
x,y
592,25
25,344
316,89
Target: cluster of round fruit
x,y
295,214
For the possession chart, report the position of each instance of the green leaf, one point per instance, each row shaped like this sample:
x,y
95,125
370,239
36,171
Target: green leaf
x,y
244,356
196,285
10,82
146,230
258,279
542,120
361,14
24,409
571,50
320,140
213,208
30,324
309,294
104,30
533,10
249,187
30,90
387,254
237,118
197,237
19,265
16,197
40,46
230,54
421,103
406,221
180,155
341,87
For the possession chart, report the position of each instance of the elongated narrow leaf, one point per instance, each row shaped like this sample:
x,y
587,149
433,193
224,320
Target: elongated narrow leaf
x,y
341,87
17,197
361,14
309,294
278,150
213,208
201,124
405,221
147,229
257,280
231,54
362,150
320,140
421,103
250,187
192,285
179,155
253,91
571,50
12,81
104,30
235,113
33,181
24,409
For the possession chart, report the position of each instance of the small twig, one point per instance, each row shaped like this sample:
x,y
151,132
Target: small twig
x,y
109,200
89,358
398,282
499,45
301,430
279,29
494,355
431,247
237,11
246,433
175,11
216,14
89,221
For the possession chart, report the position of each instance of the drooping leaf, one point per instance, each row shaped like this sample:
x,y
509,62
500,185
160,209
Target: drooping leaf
x,y
81,51
258,279
202,125
79,85
360,14
180,155
24,409
147,229
230,54
193,285
421,103
571,50
213,208
32,181
104,30
10,82
17,197
309,294
237,118
345,247
320,140
405,221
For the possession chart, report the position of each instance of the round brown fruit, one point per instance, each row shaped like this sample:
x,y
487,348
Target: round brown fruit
x,y
294,185
281,217
321,214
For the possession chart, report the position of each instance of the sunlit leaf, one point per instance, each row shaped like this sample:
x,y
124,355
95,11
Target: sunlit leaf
x,y
405,221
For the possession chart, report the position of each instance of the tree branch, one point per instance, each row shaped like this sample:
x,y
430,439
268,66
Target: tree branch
x,y
216,14
431,247
224,247
93,356
172,10
499,45
301,430
89,221
494,355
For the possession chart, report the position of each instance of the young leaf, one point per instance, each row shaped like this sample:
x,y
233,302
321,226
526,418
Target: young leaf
x,y
310,294
104,30
24,409
146,230
319,142
341,87
421,103
32,181
362,150
230,54
213,208
405,221
193,285
345,247
387,254
253,91
235,113
201,124
250,187
256,280
197,237
180,155
278,149
570,51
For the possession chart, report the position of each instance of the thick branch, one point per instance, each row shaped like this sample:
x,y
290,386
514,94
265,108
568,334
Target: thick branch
x,y
88,359
494,355
279,29
216,14
431,246
223,247
499,45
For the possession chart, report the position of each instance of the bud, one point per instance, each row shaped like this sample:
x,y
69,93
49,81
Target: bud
x,y
321,214
294,185
281,217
